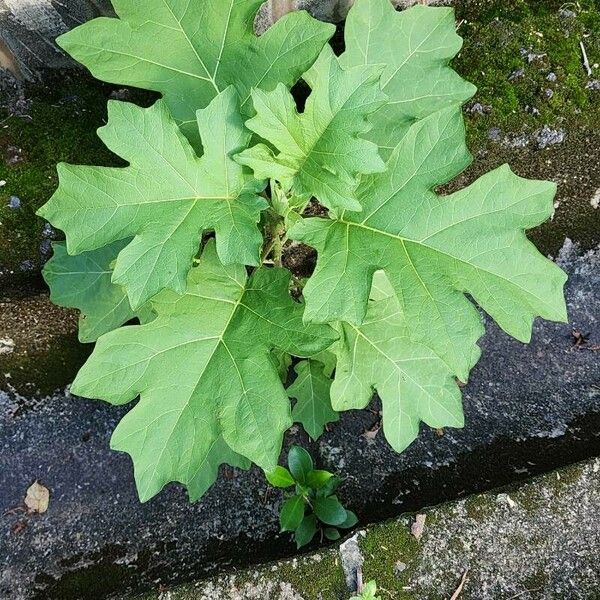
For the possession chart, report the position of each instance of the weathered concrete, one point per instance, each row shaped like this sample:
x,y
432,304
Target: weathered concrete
x,y
28,29
537,541
528,409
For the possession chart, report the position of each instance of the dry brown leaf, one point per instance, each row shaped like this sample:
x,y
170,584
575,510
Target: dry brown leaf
x,y
37,498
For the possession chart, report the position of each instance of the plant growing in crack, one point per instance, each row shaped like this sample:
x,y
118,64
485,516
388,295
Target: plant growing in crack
x,y
224,172
313,508
368,592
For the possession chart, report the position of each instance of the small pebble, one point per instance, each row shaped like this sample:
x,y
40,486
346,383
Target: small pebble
x,y
548,93
516,74
45,247
2,183
505,499
7,345
27,265
548,137
551,76
565,13
14,202
399,567
495,134
48,231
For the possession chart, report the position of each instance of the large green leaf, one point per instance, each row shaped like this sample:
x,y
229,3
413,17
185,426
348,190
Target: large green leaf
x,y
84,282
164,199
415,46
206,470
414,384
319,152
203,369
192,50
313,402
435,249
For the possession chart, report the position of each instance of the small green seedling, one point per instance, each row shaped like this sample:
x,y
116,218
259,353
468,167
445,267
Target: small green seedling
x,y
313,508
368,592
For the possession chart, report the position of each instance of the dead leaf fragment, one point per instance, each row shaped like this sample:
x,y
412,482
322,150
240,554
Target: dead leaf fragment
x,y
371,434
37,498
418,526
460,587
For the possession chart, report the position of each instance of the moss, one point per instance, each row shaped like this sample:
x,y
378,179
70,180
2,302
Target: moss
x,y
509,50
324,577
479,508
383,547
560,482
499,37
317,576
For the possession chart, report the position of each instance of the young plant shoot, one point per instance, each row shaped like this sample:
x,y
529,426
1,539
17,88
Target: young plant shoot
x,y
313,508
224,176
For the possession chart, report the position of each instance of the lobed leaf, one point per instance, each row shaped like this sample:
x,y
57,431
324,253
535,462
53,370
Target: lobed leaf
x,y
203,370
313,403
84,282
435,250
164,199
319,152
192,51
414,384
415,45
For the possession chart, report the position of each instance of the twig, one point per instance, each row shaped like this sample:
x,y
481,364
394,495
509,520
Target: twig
x,y
586,62
359,580
460,587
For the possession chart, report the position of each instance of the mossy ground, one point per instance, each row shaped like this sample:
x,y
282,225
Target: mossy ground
x,y
539,38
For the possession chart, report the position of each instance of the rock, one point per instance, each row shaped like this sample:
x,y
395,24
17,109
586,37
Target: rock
x,y
28,29
545,546
7,346
495,134
529,408
566,13
516,74
548,137
352,560
478,108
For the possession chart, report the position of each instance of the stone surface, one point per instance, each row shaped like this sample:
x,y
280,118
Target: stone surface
x,y
28,29
528,409
542,545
